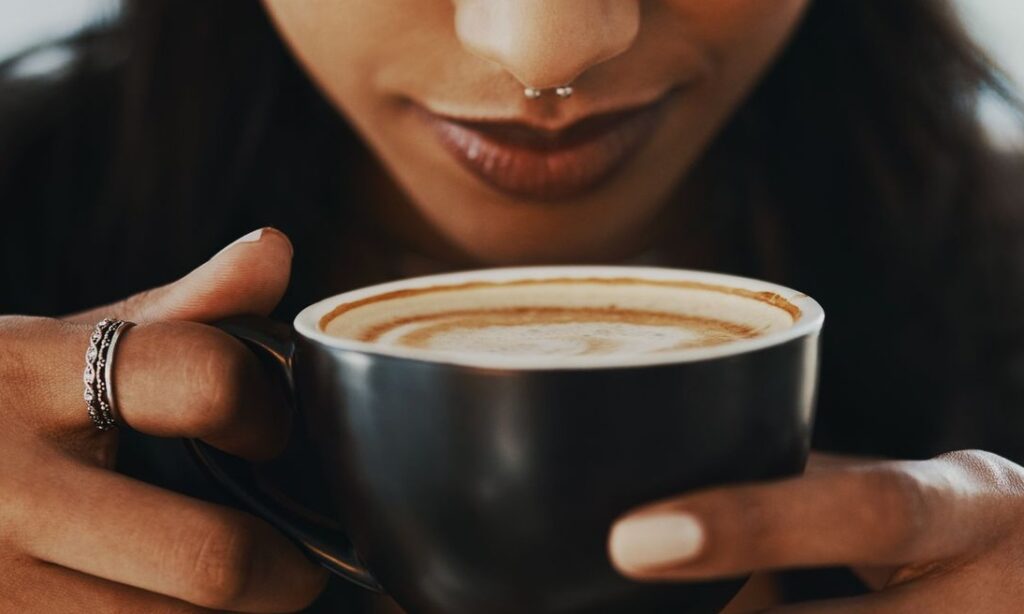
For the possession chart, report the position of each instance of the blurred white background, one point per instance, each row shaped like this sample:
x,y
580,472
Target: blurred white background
x,y
997,24
24,23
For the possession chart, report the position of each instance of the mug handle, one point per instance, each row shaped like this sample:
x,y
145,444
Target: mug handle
x,y
328,546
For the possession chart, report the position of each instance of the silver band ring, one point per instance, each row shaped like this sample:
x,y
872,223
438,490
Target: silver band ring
x,y
98,374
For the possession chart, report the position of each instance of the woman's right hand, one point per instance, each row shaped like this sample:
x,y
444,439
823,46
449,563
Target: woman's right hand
x,y
77,537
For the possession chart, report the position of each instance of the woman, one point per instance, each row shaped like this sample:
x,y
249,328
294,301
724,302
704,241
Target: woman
x,y
829,146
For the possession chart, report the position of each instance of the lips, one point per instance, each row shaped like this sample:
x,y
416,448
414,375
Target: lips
x,y
537,164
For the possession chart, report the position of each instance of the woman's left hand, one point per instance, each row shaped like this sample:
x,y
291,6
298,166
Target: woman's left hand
x,y
943,535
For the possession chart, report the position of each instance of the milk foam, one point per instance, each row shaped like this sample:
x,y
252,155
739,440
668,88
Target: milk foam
x,y
554,318
552,339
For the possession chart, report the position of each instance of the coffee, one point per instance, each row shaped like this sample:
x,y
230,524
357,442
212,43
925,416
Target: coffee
x,y
480,431
560,317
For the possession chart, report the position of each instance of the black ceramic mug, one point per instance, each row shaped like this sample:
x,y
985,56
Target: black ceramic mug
x,y
484,479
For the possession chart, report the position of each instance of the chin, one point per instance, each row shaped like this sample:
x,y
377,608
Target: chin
x,y
473,221
557,235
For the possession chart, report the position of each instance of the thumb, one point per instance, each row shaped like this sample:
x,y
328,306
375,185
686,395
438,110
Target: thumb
x,y
248,277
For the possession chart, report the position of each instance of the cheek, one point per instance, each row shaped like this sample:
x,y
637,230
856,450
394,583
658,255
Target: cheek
x,y
737,41
342,44
741,36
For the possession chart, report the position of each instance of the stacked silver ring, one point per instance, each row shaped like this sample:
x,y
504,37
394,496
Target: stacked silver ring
x,y
98,380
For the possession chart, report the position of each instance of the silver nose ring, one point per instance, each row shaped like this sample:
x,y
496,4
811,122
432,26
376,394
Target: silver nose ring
x,y
563,91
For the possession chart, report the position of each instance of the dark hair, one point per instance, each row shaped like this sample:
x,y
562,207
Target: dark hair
x,y
856,171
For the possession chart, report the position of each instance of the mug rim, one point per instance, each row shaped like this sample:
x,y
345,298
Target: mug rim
x,y
810,320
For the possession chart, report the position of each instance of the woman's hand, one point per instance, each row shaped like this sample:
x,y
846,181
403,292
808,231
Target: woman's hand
x,y
77,537
944,535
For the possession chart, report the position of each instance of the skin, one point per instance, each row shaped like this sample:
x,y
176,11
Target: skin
x,y
943,535
372,58
113,544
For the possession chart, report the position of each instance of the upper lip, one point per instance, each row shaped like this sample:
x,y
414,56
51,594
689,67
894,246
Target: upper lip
x,y
531,134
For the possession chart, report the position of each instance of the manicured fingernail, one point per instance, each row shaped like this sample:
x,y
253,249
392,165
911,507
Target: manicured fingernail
x,y
251,237
656,539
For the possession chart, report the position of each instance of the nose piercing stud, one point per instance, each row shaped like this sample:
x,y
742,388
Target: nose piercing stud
x,y
563,92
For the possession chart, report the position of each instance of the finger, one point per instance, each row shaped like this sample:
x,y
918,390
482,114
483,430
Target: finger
x,y
172,379
106,525
247,277
43,588
881,514
181,379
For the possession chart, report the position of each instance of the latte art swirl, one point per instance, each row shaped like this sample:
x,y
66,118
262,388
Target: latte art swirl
x,y
547,320
556,331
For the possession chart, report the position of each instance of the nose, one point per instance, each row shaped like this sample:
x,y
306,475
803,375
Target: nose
x,y
547,43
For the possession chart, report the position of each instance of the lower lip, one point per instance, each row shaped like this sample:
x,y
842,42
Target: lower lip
x,y
552,173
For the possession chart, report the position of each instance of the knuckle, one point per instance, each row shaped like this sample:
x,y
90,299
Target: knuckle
x,y
740,505
759,536
144,305
893,504
741,527
221,565
136,304
987,470
978,461
220,369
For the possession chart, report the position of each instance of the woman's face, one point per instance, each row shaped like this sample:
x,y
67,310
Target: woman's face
x,y
436,88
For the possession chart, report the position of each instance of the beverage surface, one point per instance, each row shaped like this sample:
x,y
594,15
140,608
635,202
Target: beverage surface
x,y
560,317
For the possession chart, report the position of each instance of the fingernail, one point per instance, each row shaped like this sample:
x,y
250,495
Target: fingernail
x,y
251,237
655,540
